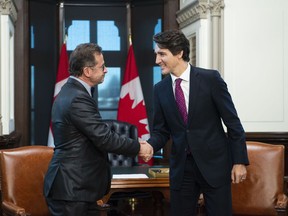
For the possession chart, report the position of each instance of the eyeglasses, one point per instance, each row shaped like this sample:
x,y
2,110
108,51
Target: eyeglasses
x,y
102,67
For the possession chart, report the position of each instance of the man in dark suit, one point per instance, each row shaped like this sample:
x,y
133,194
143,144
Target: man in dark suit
x,y
203,159
79,173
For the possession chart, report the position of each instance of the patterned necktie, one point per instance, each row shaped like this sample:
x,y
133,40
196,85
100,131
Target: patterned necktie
x,y
180,100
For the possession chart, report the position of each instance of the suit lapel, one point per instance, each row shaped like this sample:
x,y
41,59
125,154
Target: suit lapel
x,y
171,100
194,89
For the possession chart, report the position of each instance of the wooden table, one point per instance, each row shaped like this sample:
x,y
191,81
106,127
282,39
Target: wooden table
x,y
159,187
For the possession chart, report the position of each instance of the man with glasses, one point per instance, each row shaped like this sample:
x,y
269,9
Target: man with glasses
x,y
79,173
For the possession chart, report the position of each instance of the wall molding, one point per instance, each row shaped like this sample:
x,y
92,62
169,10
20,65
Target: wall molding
x,y
1,124
206,18
192,12
199,10
8,16
10,141
269,137
216,7
7,7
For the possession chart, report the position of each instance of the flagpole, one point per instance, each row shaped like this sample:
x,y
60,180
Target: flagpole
x,y
131,107
62,32
128,6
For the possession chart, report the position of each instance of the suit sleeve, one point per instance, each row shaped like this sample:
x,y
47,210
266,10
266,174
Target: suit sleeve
x,y
160,133
228,113
85,115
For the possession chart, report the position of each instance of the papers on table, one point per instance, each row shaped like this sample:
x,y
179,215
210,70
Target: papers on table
x,y
129,176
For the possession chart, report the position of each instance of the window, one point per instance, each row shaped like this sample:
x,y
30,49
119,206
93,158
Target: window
x,y
105,26
108,35
156,69
74,37
102,23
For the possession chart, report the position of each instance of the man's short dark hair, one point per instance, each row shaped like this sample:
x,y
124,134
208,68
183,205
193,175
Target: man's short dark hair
x,y
175,41
83,56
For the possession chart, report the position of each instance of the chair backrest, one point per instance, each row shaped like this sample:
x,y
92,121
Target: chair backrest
x,y
22,177
127,130
258,194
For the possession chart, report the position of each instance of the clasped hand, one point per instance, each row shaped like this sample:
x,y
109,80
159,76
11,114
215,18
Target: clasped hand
x,y
146,151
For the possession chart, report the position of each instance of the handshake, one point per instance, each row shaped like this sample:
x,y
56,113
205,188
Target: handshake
x,y
146,151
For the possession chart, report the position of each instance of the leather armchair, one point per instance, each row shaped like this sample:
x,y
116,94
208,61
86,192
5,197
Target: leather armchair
x,y
263,191
131,131
127,130
22,177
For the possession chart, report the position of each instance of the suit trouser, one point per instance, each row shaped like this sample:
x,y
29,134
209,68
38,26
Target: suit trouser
x,y
72,208
218,201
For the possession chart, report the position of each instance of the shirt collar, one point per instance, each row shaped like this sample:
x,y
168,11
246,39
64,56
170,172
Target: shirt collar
x,y
184,76
86,86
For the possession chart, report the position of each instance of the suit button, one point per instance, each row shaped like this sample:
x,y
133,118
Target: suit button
x,y
187,131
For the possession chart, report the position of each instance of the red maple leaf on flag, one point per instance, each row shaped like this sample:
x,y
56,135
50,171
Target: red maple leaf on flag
x,y
131,104
139,110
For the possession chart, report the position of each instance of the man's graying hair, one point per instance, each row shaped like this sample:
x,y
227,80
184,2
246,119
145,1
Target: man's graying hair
x,y
175,41
83,56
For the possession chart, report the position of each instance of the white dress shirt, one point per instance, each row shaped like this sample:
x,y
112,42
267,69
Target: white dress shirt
x,y
185,84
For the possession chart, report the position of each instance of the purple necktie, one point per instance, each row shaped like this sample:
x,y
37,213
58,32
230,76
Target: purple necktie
x,y
180,100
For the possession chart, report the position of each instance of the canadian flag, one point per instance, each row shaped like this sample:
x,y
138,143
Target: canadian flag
x,y
61,79
132,107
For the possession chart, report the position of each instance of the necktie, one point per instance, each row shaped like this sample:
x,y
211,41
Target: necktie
x,y
180,100
92,91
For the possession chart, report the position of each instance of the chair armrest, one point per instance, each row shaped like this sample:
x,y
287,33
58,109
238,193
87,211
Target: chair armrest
x,y
11,209
285,184
281,204
282,200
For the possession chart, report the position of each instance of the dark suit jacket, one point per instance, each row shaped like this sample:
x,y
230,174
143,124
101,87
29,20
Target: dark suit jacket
x,y
209,103
79,169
